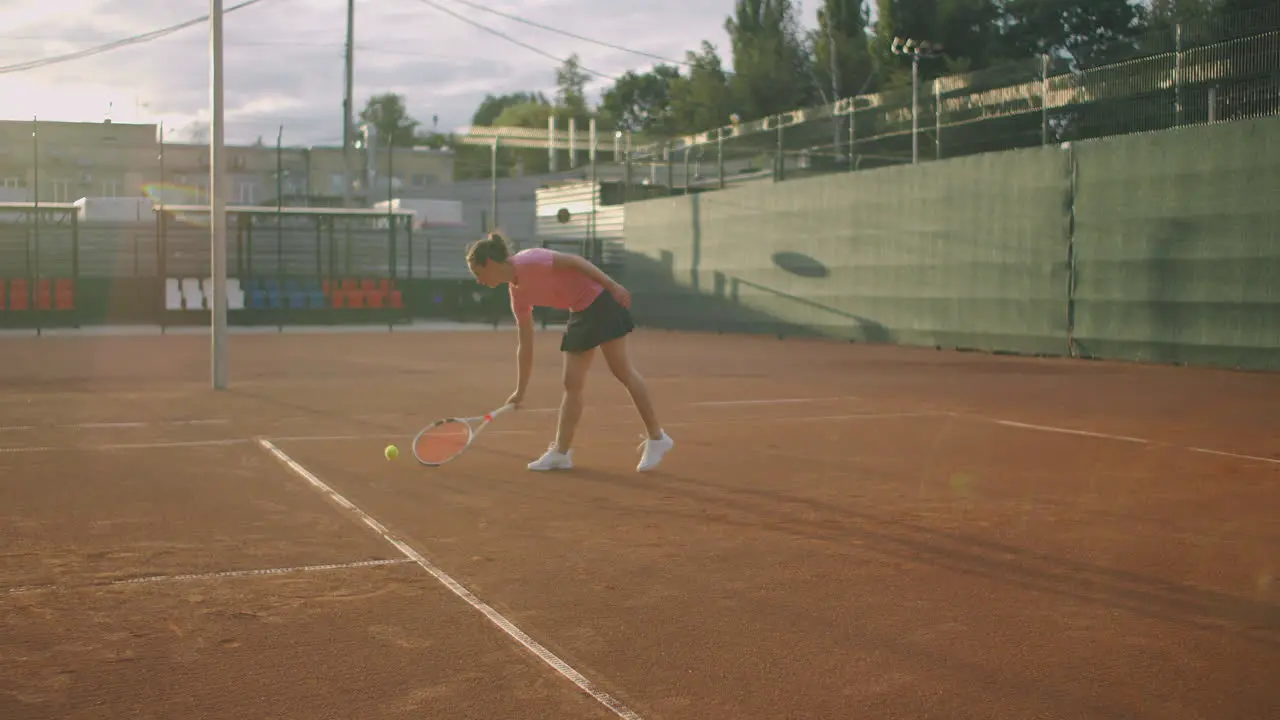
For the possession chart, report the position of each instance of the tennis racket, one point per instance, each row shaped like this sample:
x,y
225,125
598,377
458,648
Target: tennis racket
x,y
447,438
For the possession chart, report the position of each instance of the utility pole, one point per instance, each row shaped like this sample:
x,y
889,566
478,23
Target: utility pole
x,y
348,104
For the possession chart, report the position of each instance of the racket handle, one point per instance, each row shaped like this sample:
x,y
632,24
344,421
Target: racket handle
x,y
498,412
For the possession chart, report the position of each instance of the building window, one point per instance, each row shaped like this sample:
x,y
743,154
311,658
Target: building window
x,y
61,190
11,183
110,188
422,180
246,193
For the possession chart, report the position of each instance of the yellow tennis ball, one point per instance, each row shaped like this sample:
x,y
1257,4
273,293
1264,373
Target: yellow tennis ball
x,y
392,452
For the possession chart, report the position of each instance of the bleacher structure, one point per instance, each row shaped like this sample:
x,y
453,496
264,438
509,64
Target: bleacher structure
x,y
61,266
196,294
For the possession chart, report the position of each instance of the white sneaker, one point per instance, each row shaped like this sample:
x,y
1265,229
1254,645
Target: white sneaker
x,y
653,450
553,460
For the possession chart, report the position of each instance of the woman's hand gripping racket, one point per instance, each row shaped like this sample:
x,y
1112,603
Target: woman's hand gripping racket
x,y
447,438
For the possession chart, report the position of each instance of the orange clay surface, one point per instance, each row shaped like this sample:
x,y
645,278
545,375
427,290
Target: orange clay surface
x,y
841,532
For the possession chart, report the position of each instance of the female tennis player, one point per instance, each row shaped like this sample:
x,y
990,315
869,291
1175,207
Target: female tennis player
x,y
599,317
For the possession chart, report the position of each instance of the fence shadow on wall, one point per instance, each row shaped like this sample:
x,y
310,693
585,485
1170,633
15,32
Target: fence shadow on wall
x,y
662,300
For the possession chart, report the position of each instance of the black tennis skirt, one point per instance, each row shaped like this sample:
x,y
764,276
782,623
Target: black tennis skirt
x,y
603,320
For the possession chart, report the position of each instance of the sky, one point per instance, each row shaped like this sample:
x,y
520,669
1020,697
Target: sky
x,y
283,59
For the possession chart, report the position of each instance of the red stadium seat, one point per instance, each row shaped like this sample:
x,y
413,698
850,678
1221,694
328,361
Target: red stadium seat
x,y
44,294
64,294
19,295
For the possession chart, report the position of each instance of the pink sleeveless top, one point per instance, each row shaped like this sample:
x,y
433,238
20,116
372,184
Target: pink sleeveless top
x,y
540,283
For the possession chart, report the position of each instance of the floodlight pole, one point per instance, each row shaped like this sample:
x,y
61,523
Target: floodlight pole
x,y
914,49
217,201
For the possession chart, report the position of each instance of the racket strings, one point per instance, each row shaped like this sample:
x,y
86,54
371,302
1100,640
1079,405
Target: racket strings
x,y
442,442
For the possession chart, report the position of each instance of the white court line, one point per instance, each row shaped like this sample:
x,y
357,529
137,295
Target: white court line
x,y
223,421
209,576
691,423
771,401
494,616
115,425
764,420
1238,456
1068,431
1126,438
130,446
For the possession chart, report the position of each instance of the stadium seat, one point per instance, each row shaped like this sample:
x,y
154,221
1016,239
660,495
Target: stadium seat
x,y
297,298
397,301
315,294
44,294
192,295
19,294
172,294
355,295
64,294
235,295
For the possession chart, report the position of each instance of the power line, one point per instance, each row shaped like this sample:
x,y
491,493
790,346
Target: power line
x,y
117,44
566,33
510,39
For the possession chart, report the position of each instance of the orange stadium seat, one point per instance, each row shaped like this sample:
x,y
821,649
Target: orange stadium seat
x,y
19,295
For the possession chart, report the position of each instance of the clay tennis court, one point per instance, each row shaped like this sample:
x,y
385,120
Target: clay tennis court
x,y
841,532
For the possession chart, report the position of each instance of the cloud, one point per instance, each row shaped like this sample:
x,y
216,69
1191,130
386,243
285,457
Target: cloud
x,y
284,58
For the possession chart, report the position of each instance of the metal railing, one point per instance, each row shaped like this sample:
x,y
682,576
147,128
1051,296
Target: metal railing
x,y
1220,70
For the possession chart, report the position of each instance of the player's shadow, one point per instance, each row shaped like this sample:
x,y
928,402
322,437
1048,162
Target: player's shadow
x,y
963,553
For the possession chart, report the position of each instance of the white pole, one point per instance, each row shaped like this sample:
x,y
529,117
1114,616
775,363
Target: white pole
x,y
217,201
915,109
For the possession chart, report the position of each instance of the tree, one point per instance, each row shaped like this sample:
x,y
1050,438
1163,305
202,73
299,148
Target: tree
x,y
571,87
1086,34
703,99
842,62
966,30
390,118
770,63
641,102
493,105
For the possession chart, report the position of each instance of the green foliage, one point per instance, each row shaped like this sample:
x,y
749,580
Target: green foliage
x,y
778,67
770,62
641,102
1088,33
703,99
493,105
390,118
842,61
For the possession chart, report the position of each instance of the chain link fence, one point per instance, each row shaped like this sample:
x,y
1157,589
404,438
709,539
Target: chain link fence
x,y
1217,70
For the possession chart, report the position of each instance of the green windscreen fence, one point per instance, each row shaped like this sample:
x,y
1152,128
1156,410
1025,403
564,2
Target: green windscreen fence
x,y
967,253
1177,246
